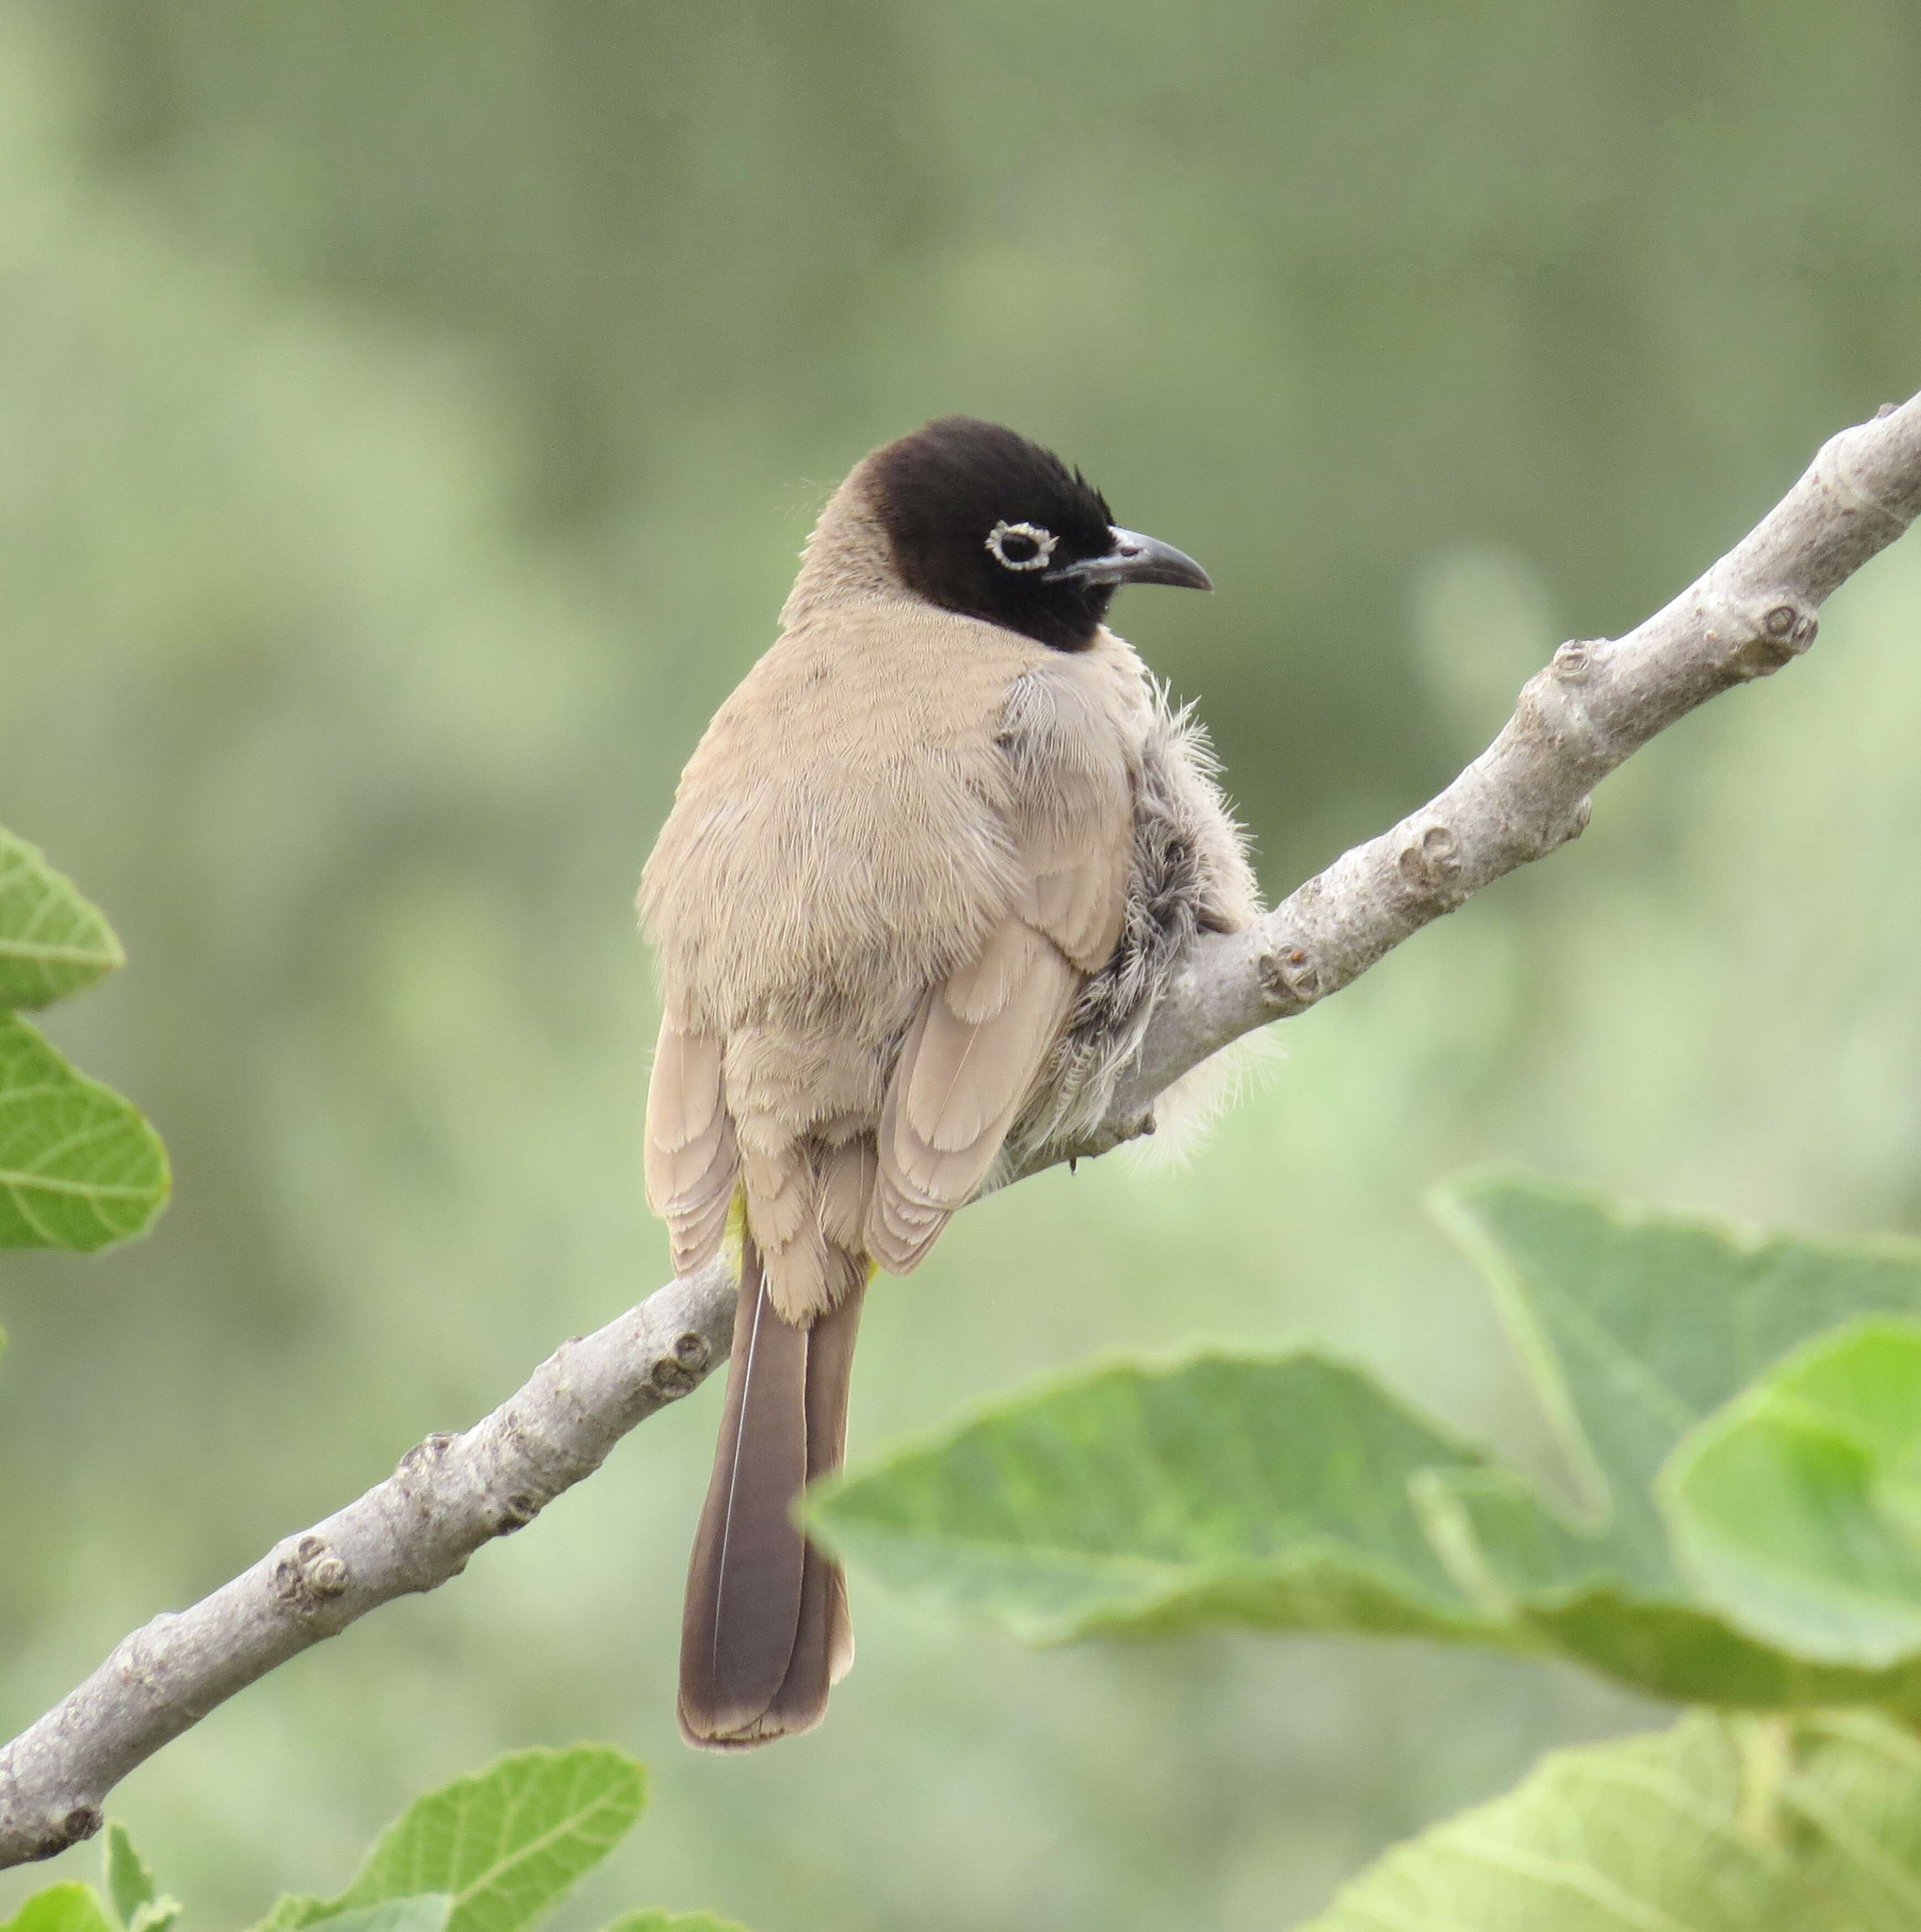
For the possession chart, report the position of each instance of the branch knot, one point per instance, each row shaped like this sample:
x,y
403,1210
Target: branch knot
x,y
60,1831
1771,634
1290,978
1431,858
307,1575
516,1512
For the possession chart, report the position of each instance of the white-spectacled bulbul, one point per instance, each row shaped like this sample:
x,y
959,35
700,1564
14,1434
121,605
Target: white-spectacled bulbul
x,y
925,877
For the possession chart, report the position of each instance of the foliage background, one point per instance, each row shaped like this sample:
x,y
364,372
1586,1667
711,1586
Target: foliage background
x,y
409,416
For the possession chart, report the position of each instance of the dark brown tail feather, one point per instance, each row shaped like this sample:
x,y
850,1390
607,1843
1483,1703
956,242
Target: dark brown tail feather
x,y
824,1641
765,1631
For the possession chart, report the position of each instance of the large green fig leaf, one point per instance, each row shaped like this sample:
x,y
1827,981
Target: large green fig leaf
x,y
1724,1824
1138,1499
1635,1326
1797,1507
1294,1492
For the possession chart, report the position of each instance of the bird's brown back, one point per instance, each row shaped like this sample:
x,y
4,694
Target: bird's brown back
x,y
841,838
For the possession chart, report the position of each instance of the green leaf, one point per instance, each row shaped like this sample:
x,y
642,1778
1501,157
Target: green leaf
x,y
79,1167
137,1902
503,1845
70,1907
129,1883
293,1909
1148,1499
674,1921
1635,1326
52,942
1796,1509
425,1912
1723,1824
1293,1492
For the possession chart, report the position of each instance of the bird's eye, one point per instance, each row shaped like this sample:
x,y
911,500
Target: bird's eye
x,y
1021,546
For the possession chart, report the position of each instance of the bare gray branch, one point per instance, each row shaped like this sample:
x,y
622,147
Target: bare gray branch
x,y
450,1495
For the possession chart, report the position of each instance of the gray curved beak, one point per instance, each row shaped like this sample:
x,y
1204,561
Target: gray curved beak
x,y
1134,559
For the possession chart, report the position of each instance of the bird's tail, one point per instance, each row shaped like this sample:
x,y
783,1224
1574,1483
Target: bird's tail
x,y
765,1632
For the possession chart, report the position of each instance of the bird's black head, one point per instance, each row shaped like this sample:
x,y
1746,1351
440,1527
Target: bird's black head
x,y
983,522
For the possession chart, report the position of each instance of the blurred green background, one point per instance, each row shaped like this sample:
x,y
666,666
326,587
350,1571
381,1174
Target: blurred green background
x,y
411,416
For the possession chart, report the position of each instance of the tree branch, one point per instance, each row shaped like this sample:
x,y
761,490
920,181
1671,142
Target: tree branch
x,y
1595,704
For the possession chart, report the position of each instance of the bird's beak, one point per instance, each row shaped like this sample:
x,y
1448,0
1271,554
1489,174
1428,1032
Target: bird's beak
x,y
1132,558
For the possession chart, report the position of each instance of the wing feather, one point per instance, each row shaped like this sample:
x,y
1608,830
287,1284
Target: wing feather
x,y
691,1160
967,1073
1079,904
956,1090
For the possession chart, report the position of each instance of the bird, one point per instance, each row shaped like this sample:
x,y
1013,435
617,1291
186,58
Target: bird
x,y
926,877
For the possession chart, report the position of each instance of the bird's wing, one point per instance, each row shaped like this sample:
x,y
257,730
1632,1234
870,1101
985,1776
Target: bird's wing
x,y
691,1160
1071,808
982,1036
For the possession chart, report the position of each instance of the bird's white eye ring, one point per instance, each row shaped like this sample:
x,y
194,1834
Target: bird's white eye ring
x,y
1032,546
